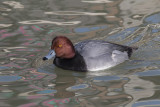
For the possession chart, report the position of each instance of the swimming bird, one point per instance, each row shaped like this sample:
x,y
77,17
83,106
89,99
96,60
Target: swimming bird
x,y
88,55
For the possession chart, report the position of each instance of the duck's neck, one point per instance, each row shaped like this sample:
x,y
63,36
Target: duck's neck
x,y
71,55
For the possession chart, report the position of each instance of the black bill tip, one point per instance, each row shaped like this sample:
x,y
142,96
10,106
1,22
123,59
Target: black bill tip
x,y
44,58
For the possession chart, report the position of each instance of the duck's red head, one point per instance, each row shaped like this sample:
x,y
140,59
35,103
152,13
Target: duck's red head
x,y
63,47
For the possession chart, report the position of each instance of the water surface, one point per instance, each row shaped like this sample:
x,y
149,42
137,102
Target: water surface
x,y
27,28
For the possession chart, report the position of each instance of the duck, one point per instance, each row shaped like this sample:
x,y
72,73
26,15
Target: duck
x,y
87,55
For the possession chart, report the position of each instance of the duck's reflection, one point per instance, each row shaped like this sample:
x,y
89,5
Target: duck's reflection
x,y
111,87
63,82
98,90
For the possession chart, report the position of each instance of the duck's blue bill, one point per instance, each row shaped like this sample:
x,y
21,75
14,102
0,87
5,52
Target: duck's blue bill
x,y
50,55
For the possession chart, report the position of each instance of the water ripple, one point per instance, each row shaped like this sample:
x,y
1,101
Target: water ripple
x,y
14,4
75,13
147,103
77,87
5,25
6,78
149,73
89,29
105,78
18,59
4,9
49,22
7,49
97,1
46,91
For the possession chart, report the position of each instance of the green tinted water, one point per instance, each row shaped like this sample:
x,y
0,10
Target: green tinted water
x,y
27,28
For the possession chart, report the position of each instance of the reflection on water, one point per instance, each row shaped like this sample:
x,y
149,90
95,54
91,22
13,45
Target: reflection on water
x,y
5,25
133,12
49,22
97,1
27,28
74,13
6,78
149,103
14,4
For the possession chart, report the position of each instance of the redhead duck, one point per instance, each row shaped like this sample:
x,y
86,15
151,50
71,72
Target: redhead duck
x,y
89,55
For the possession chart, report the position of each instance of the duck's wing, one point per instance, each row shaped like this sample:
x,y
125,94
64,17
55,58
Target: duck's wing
x,y
95,48
99,55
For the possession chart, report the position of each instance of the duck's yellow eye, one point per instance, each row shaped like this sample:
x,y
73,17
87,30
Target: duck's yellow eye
x,y
60,45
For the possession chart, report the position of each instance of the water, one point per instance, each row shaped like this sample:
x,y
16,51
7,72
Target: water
x,y
27,28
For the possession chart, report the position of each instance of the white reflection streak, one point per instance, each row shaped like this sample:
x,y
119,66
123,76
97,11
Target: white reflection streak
x,y
4,9
74,13
49,22
7,48
5,25
26,93
14,4
18,59
97,1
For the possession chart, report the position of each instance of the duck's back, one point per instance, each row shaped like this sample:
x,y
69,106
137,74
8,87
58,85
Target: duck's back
x,y
93,48
99,55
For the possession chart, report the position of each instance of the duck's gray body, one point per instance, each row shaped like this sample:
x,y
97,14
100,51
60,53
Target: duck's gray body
x,y
100,55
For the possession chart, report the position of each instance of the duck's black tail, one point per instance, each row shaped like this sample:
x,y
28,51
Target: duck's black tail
x,y
134,48
131,50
